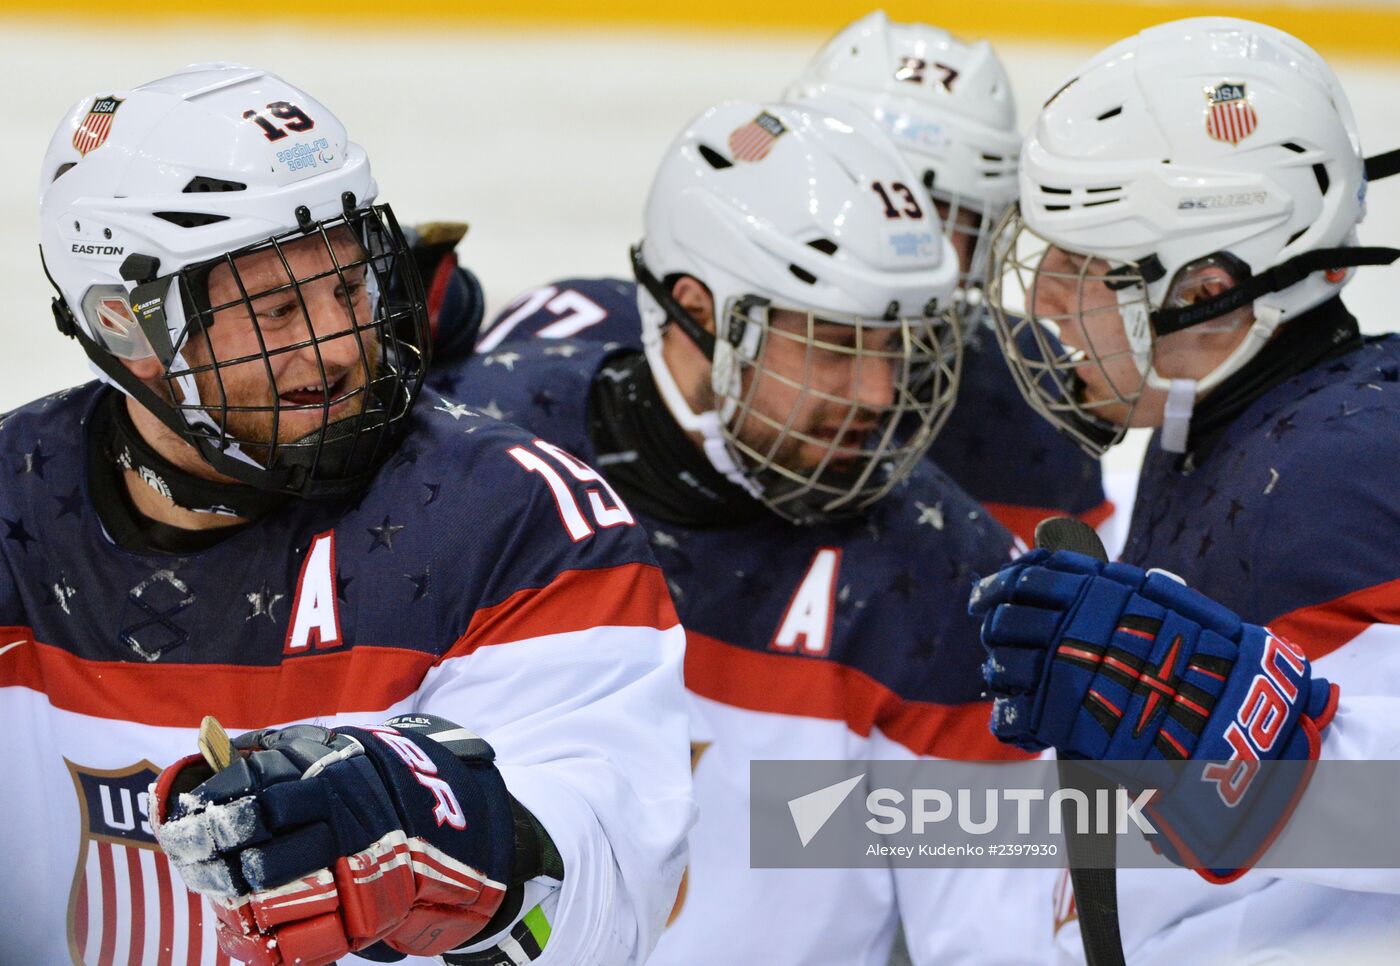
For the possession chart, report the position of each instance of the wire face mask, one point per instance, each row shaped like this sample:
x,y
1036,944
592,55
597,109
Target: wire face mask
x,y
969,226
292,365
1075,332
825,413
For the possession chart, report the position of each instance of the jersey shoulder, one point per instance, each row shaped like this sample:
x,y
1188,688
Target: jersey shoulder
x,y
1296,505
540,385
596,309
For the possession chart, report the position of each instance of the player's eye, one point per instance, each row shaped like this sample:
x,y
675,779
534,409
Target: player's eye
x,y
278,312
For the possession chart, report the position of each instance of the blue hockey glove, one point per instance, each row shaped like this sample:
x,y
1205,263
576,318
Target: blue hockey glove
x,y
314,843
1106,661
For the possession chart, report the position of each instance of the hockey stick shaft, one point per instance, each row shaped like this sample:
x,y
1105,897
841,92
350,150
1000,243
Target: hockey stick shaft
x,y
1091,855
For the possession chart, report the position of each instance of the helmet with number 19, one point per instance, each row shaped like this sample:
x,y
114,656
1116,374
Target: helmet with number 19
x,y
948,107
217,252
821,281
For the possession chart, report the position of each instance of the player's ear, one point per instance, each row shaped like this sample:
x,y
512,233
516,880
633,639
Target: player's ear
x,y
696,299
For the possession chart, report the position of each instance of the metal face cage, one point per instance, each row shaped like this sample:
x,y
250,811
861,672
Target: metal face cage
x,y
969,225
1074,330
293,364
826,412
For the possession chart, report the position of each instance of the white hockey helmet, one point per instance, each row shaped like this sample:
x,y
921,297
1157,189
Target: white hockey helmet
x,y
946,104
143,192
1208,138
782,207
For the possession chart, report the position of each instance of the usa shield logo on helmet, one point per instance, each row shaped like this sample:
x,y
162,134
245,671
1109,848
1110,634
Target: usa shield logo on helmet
x,y
93,129
1229,116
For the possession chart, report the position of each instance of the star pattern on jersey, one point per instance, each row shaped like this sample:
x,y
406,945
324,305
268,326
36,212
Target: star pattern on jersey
x,y
664,540
342,584
15,531
1282,427
407,456
432,489
1207,541
384,535
455,410
494,411
34,461
544,401
70,503
61,592
506,359
931,515
420,584
262,603
1236,508
565,351
903,585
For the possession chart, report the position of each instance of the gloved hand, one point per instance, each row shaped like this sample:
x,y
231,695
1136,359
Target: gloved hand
x,y
1109,662
456,304
314,843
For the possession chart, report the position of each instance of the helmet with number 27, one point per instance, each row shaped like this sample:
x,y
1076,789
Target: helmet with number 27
x,y
217,252
948,107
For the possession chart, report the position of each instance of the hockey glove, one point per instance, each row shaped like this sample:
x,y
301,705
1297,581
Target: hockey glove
x,y
1106,661
455,301
314,843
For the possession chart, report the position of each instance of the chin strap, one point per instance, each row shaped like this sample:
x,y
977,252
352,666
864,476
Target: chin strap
x,y
1168,320
707,424
1176,426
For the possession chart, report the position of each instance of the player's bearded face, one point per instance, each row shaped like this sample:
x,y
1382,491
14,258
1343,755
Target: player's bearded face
x,y
1072,295
820,394
299,354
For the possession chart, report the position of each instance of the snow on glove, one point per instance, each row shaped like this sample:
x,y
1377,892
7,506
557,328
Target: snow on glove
x,y
315,843
1106,661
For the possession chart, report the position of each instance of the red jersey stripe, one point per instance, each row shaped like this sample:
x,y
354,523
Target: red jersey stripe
x,y
630,595
814,688
1322,628
362,678
1022,520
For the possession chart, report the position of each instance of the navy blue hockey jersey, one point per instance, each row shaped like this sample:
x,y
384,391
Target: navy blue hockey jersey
x,y
993,445
1291,519
847,639
450,586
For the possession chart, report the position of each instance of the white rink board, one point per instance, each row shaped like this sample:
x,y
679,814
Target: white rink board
x,y
544,141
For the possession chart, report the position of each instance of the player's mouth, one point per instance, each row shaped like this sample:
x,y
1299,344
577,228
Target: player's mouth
x,y
317,395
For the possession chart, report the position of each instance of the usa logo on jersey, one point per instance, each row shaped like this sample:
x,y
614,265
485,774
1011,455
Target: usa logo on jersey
x,y
127,907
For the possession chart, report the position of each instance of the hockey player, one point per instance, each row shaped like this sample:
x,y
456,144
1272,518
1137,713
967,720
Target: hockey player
x,y
1189,201
787,320
249,518
947,106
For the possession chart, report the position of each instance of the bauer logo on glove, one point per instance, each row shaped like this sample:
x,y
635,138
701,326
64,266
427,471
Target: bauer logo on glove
x,y
1114,664
311,843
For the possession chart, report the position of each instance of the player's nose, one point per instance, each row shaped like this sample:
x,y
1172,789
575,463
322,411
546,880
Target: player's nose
x,y
334,323
872,381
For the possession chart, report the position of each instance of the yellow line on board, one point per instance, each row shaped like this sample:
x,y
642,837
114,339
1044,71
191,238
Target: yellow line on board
x,y
1354,28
